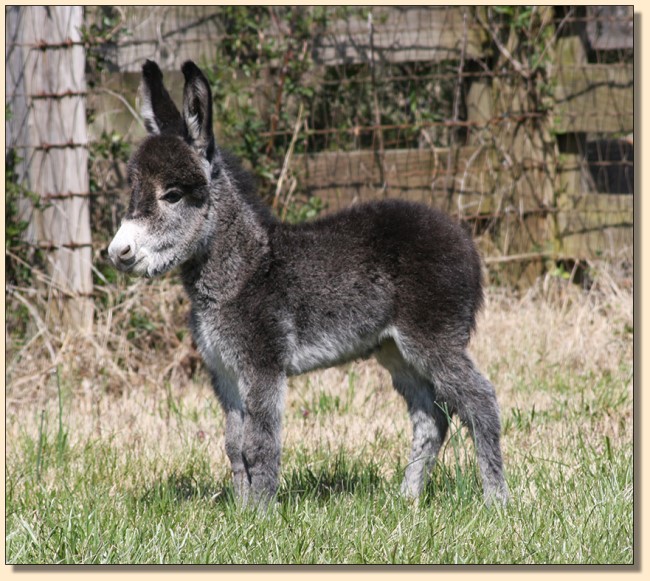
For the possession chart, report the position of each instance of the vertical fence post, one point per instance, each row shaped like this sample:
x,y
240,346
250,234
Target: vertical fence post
x,y
49,78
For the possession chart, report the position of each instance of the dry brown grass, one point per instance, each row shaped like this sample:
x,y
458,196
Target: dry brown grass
x,y
134,381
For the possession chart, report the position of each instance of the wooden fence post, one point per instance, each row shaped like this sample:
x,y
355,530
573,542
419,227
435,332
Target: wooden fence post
x,y
50,81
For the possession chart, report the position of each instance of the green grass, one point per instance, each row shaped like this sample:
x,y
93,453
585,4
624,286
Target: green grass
x,y
119,457
94,500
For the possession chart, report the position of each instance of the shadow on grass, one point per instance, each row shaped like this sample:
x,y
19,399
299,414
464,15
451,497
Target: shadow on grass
x,y
342,477
187,487
452,483
321,484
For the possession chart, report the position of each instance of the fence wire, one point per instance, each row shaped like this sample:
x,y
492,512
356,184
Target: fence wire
x,y
517,120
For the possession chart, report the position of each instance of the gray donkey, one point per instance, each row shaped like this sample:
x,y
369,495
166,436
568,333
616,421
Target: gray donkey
x,y
396,280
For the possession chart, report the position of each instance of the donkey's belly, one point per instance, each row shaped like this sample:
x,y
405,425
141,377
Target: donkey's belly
x,y
328,350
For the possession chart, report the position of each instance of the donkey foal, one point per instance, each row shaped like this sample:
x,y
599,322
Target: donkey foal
x,y
396,280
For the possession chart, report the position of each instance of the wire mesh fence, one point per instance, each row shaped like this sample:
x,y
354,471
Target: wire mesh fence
x,y
517,120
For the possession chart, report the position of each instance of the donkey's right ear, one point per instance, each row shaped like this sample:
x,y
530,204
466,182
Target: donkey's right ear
x,y
197,110
158,110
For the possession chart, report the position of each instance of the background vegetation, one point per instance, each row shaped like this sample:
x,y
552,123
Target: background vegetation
x,y
115,448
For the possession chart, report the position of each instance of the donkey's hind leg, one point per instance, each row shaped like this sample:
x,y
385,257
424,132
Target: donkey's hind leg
x,y
429,419
473,397
457,383
430,424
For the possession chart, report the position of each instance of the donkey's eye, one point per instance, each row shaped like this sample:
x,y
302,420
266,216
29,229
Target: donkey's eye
x,y
172,196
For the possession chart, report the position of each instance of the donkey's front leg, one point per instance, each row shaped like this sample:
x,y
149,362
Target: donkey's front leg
x,y
262,435
225,386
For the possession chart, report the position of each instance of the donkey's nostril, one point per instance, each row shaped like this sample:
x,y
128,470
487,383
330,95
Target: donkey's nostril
x,y
124,249
122,256
126,254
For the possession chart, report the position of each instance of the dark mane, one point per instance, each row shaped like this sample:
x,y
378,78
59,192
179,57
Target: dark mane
x,y
247,186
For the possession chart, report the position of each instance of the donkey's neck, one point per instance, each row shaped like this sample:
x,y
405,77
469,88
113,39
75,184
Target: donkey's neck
x,y
236,244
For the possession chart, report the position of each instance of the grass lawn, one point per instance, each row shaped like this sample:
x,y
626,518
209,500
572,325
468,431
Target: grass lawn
x,y
115,447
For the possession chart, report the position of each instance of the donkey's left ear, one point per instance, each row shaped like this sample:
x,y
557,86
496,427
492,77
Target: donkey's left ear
x,y
197,110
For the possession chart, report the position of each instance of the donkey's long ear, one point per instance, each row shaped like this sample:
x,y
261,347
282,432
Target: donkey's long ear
x,y
197,110
158,110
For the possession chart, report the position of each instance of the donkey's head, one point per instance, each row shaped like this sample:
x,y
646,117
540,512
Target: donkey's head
x,y
168,217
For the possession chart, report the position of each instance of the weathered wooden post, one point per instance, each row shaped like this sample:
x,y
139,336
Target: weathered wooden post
x,y
46,73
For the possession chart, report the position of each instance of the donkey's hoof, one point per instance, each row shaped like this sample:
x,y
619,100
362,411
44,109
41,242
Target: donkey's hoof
x,y
499,497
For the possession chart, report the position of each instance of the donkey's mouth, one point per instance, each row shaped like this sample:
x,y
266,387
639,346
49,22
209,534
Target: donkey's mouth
x,y
129,266
154,270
